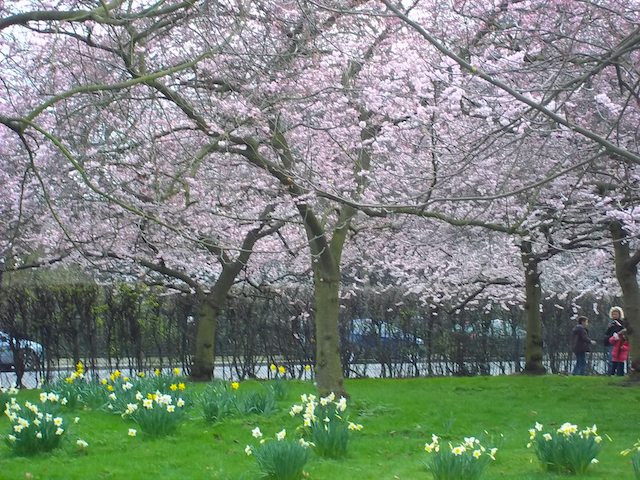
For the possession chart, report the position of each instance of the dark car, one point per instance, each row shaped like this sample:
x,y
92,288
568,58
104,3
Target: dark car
x,y
369,338
32,353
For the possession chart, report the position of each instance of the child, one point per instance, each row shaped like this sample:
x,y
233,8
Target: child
x,y
619,353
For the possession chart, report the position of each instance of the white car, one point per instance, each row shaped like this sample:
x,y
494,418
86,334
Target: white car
x,y
33,353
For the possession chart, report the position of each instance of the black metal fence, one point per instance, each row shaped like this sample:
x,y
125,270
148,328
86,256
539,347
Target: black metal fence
x,y
136,328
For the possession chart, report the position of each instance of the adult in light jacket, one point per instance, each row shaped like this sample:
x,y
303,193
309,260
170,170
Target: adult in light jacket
x,y
616,323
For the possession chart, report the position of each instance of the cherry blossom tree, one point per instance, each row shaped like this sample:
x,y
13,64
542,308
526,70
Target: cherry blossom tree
x,y
475,114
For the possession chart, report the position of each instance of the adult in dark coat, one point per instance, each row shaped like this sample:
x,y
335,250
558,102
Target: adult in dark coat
x,y
581,344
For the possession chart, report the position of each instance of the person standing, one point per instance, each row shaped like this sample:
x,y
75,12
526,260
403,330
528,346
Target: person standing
x,y
616,323
619,353
581,344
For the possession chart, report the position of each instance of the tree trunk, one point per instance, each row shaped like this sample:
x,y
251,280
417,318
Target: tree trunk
x,y
210,304
533,292
204,358
328,366
626,273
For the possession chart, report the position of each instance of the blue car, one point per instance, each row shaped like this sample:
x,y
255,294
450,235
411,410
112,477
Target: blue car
x,y
367,337
32,353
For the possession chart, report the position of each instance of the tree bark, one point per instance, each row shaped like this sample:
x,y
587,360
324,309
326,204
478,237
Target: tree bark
x,y
627,275
329,374
533,294
204,358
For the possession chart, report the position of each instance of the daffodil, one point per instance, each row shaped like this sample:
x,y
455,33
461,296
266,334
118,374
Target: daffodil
x,y
235,385
132,432
459,450
567,429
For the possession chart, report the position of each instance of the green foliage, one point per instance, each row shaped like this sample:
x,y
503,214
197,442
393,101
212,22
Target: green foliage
x,y
279,387
258,402
330,438
634,452
566,449
280,459
93,395
467,460
217,401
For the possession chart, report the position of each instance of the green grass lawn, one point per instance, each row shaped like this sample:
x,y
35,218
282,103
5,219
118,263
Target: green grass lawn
x,y
399,416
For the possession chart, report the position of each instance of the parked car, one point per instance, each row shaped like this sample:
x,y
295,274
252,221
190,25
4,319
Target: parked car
x,y
32,353
369,337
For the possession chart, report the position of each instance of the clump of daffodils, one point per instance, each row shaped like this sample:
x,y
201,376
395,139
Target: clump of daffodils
x,y
218,400
6,394
567,448
35,428
156,413
279,388
280,457
634,453
467,460
72,388
122,391
325,423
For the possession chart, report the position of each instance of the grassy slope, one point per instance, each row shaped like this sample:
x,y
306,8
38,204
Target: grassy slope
x,y
398,415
